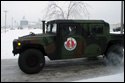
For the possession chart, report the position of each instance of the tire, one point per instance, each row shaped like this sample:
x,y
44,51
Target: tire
x,y
31,61
114,55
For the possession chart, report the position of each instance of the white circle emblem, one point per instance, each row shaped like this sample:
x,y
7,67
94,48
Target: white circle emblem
x,y
70,44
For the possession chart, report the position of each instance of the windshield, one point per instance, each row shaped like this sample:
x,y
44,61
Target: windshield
x,y
51,28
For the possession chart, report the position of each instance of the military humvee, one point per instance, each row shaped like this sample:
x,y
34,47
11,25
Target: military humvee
x,y
67,39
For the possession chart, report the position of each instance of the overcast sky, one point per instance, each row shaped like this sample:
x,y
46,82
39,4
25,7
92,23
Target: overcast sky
x,y
110,11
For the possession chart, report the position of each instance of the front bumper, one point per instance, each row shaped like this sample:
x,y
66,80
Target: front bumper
x,y
19,48
16,48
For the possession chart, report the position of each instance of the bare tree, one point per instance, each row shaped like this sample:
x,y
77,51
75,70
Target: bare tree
x,y
75,9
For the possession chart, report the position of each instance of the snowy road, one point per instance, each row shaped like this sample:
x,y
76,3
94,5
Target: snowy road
x,y
61,70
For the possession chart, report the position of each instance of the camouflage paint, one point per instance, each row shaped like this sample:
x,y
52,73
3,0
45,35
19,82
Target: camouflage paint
x,y
87,45
50,49
78,51
43,39
92,50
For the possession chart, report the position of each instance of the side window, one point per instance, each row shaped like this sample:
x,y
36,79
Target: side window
x,y
69,29
73,29
96,29
54,28
65,30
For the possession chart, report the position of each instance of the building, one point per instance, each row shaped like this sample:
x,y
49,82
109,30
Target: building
x,y
115,25
23,23
112,26
34,25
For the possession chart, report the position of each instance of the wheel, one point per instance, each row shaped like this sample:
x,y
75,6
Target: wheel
x,y
114,54
31,61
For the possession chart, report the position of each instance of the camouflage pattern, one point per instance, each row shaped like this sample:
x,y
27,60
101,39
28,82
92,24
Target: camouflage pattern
x,y
88,44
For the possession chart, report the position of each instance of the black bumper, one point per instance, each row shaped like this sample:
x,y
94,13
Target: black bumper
x,y
16,48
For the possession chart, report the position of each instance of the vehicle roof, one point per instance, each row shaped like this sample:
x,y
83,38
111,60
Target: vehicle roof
x,y
75,21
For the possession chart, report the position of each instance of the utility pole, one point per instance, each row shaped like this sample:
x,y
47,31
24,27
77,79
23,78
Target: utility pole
x,y
12,22
121,17
5,19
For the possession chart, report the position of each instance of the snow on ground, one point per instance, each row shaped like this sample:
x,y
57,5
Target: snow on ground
x,y
7,41
6,53
111,78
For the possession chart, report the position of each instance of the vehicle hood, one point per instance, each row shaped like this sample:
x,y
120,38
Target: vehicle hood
x,y
43,39
36,35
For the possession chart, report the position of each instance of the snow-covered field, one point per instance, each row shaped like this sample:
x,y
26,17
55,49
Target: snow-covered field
x,y
7,40
6,53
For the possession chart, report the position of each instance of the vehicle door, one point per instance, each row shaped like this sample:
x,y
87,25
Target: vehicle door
x,y
96,40
72,42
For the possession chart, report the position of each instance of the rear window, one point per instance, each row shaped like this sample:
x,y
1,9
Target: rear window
x,y
96,29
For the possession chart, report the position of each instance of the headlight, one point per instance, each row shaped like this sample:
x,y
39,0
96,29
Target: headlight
x,y
19,43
